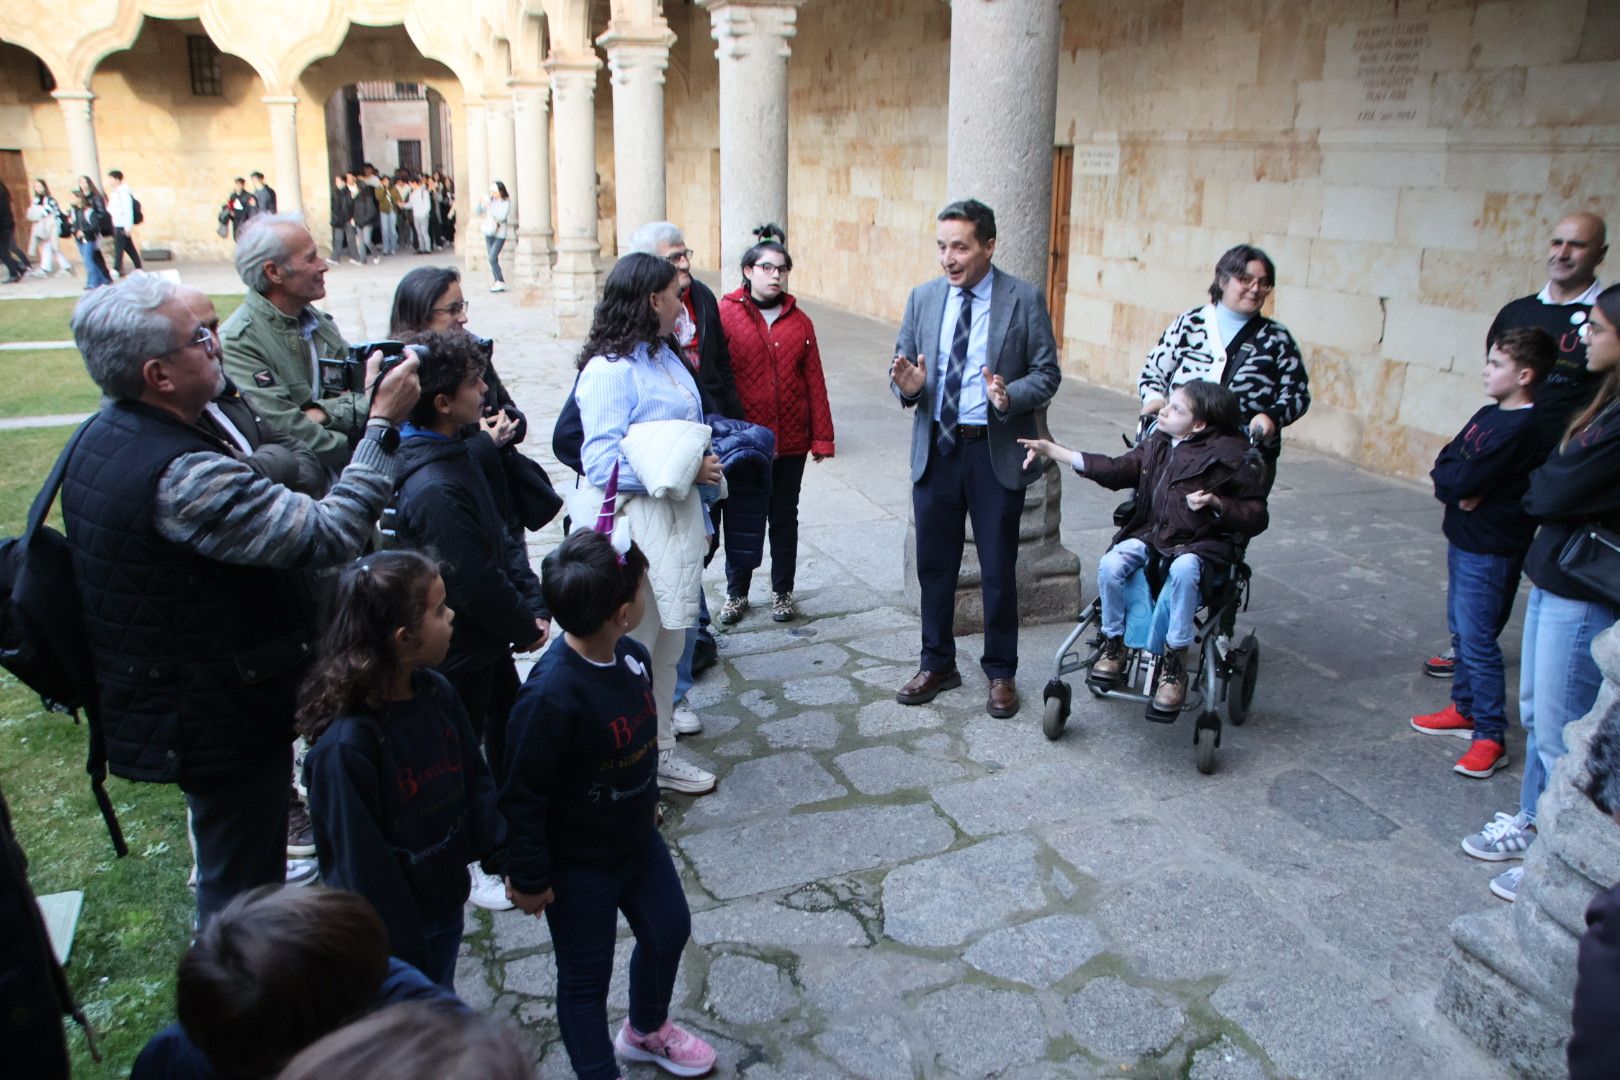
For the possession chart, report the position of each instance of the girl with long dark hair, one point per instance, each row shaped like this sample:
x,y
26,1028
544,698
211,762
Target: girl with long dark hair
x,y
45,235
1558,679
629,376
494,213
400,797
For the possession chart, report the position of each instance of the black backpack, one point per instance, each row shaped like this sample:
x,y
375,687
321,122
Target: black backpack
x,y
135,204
42,639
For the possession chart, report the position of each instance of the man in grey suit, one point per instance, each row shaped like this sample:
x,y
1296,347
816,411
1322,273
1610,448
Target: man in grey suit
x,y
975,359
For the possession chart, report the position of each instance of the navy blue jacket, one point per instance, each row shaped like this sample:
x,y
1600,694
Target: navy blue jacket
x,y
1491,458
745,451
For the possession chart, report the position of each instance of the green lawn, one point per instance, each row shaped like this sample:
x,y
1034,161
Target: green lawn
x,y
47,319
45,382
137,910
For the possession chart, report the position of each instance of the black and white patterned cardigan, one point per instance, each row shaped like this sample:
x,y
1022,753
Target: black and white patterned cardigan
x,y
1268,375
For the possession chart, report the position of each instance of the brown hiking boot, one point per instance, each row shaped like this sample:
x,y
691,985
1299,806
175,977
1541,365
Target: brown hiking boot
x,y
1111,661
1172,689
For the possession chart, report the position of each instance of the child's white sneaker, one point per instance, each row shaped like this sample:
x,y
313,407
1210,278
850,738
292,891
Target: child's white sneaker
x,y
684,777
488,891
686,721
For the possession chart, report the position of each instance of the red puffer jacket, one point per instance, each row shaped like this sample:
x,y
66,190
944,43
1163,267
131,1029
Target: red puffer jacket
x,y
778,373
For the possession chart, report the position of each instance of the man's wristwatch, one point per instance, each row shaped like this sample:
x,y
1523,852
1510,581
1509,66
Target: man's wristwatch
x,y
387,434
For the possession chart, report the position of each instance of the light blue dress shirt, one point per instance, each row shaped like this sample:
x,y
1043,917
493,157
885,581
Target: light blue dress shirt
x,y
971,405
614,393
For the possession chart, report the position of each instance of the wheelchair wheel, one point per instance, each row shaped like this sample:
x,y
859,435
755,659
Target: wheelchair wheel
x,y
1240,685
1053,718
1204,745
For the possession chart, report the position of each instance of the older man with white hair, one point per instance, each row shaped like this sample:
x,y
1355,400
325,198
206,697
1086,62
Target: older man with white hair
x,y
285,354
189,571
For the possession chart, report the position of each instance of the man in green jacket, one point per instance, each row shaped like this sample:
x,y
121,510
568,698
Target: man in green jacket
x,y
287,356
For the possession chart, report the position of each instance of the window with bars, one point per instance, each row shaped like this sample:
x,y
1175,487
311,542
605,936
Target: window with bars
x,y
206,77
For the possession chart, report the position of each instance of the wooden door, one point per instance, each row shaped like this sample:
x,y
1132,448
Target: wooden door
x,y
14,175
1057,267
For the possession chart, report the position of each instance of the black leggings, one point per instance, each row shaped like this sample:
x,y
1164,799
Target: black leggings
x,y
787,478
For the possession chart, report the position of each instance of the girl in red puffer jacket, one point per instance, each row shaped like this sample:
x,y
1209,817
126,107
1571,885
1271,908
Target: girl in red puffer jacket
x,y
777,365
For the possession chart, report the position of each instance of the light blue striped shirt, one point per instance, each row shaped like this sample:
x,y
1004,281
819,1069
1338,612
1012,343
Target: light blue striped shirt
x,y
615,392
970,403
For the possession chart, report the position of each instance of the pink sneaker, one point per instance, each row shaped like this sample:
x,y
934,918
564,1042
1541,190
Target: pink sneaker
x,y
671,1048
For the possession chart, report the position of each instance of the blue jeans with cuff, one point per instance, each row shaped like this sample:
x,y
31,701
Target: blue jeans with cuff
x,y
1479,596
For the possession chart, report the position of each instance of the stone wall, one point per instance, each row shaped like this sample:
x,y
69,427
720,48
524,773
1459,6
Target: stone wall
x,y
1404,173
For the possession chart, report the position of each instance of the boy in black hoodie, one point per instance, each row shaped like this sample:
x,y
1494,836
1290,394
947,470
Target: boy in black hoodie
x,y
1482,476
443,504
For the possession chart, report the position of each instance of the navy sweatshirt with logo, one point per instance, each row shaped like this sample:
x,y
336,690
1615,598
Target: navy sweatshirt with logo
x,y
582,761
1491,459
402,801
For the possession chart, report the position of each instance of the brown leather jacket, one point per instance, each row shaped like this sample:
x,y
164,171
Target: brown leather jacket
x,y
1164,476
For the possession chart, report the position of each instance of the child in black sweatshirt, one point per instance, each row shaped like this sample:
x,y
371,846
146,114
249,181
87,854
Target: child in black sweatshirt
x,y
581,795
1481,476
399,795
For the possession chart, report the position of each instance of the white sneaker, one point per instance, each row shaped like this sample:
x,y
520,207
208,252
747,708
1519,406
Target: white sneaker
x,y
488,891
499,286
677,775
302,871
686,721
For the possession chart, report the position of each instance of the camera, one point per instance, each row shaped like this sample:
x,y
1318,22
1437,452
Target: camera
x,y
393,354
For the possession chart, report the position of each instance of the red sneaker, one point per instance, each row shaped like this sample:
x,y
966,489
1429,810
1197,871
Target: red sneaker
x,y
1443,666
1448,721
1482,759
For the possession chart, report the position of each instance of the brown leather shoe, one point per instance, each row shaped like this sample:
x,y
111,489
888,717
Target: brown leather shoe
x,y
1003,698
926,685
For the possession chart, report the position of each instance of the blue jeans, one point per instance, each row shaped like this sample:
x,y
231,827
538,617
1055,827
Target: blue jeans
x,y
493,245
1124,559
1479,595
390,233
1558,680
95,266
584,927
683,670
443,945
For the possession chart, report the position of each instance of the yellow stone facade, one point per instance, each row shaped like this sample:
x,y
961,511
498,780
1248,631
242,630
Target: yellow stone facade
x,y
1403,164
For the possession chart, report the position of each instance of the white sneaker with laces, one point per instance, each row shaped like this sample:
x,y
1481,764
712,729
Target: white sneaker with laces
x,y
1506,836
686,721
681,776
302,872
488,891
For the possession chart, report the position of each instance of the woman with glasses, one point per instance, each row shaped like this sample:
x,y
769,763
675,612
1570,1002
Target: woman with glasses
x,y
777,365
428,299
1229,342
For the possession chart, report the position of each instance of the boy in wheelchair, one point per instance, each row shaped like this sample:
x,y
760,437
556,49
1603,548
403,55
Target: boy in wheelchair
x,y
1199,493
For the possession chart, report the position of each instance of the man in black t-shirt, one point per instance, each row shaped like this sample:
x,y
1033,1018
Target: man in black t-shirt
x,y
1579,243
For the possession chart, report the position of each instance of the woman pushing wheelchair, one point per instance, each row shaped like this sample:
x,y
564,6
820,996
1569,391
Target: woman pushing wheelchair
x,y
1200,493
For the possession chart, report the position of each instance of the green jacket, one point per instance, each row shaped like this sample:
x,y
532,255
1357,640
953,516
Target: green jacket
x,y
267,357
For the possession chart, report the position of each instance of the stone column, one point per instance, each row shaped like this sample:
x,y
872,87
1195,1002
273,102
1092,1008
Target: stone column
x,y
1003,107
531,120
753,51
284,138
471,241
637,57
573,278
78,110
503,151
1510,980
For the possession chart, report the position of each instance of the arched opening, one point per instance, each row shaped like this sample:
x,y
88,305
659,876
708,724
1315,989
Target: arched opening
x,y
398,127
29,120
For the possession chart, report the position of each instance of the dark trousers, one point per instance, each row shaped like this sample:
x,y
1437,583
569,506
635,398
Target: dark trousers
x,y
957,487
787,477
443,946
14,270
122,243
487,694
239,824
584,928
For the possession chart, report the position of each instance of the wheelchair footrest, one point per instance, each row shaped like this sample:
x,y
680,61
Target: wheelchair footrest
x,y
1162,716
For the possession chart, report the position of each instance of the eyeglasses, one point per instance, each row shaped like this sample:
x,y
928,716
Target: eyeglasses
x,y
771,269
454,310
1589,327
204,336
682,256
1246,280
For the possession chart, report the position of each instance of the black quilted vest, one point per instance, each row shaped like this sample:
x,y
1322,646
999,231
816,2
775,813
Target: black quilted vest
x,y
197,662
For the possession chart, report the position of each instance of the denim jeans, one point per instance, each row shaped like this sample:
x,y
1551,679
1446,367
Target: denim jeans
x,y
390,233
584,928
240,827
360,237
95,266
1558,680
1124,559
493,245
1479,594
443,945
684,678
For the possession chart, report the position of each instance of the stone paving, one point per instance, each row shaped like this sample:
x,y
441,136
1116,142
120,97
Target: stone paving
x,y
880,891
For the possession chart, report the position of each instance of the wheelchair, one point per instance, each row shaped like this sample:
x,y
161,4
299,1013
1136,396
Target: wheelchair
x,y
1223,677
